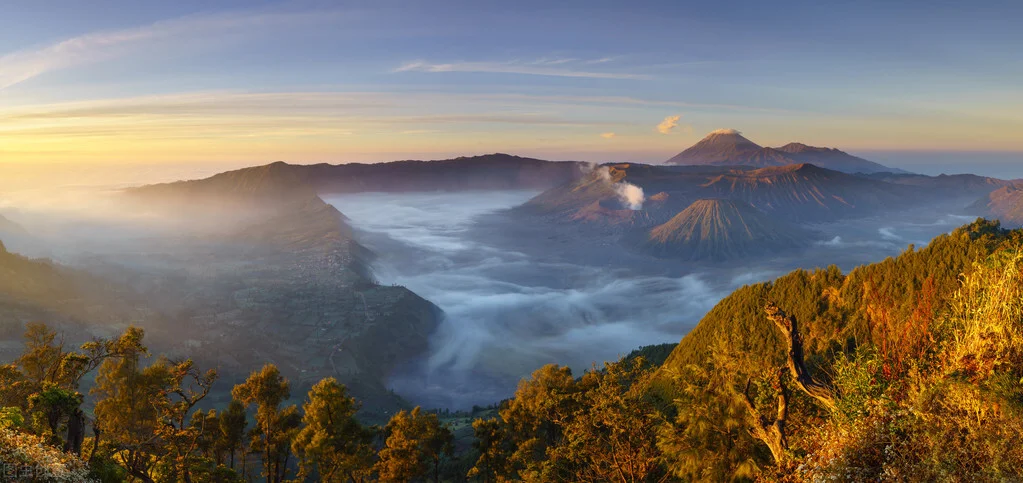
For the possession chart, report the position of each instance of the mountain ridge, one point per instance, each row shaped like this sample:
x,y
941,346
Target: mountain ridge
x,y
283,180
728,147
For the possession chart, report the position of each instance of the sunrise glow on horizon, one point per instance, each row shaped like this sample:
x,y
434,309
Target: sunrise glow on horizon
x,y
311,82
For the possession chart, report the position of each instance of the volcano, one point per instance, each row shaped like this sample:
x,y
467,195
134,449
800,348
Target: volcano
x,y
718,229
721,147
728,147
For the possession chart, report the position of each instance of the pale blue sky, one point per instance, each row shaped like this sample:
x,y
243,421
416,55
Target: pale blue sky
x,y
347,81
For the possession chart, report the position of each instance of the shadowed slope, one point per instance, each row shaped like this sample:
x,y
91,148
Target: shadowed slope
x,y
722,229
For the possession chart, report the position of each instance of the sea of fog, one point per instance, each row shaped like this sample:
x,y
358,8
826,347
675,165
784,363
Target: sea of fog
x,y
511,307
508,312
516,293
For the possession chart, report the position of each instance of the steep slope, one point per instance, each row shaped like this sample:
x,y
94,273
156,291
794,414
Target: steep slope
x,y
727,147
74,300
928,323
721,230
271,282
14,235
1005,204
834,308
8,227
720,147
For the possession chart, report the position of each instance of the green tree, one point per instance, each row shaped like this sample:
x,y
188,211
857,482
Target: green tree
x,y
232,428
45,379
416,443
543,405
127,408
268,389
144,412
613,436
494,445
332,443
182,388
208,444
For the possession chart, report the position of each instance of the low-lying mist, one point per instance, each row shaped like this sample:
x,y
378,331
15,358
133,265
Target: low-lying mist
x,y
514,302
509,311
517,292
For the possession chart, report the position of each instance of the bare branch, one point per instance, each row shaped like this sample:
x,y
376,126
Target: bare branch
x,y
796,363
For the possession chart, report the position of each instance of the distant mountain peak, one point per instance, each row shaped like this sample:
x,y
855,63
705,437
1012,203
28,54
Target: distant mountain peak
x,y
718,147
728,137
728,147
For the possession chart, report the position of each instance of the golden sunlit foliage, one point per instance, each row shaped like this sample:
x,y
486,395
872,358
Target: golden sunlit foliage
x,y
906,370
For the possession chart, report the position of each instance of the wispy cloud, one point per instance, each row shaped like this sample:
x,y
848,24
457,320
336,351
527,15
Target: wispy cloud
x,y
542,67
608,135
668,124
20,66
222,113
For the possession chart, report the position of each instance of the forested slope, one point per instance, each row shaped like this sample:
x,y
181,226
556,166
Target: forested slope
x,y
905,370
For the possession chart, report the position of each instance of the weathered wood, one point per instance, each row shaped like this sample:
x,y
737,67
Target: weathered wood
x,y
770,431
821,392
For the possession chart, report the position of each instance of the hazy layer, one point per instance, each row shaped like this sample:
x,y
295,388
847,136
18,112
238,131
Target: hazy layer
x,y
513,303
509,312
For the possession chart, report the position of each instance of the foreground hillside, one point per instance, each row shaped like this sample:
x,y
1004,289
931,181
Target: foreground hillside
x,y
904,370
232,285
895,371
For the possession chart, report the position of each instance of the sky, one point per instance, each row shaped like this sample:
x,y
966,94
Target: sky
x,y
931,86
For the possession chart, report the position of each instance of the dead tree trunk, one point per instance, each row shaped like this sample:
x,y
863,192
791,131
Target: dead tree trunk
x,y
770,431
75,432
96,432
797,365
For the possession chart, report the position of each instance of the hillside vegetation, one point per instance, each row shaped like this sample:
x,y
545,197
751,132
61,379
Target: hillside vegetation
x,y
905,370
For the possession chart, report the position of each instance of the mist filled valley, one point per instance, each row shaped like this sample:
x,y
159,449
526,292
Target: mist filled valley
x,y
539,242
460,285
516,297
494,290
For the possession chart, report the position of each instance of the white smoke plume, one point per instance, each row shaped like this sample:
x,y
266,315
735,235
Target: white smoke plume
x,y
724,131
629,194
